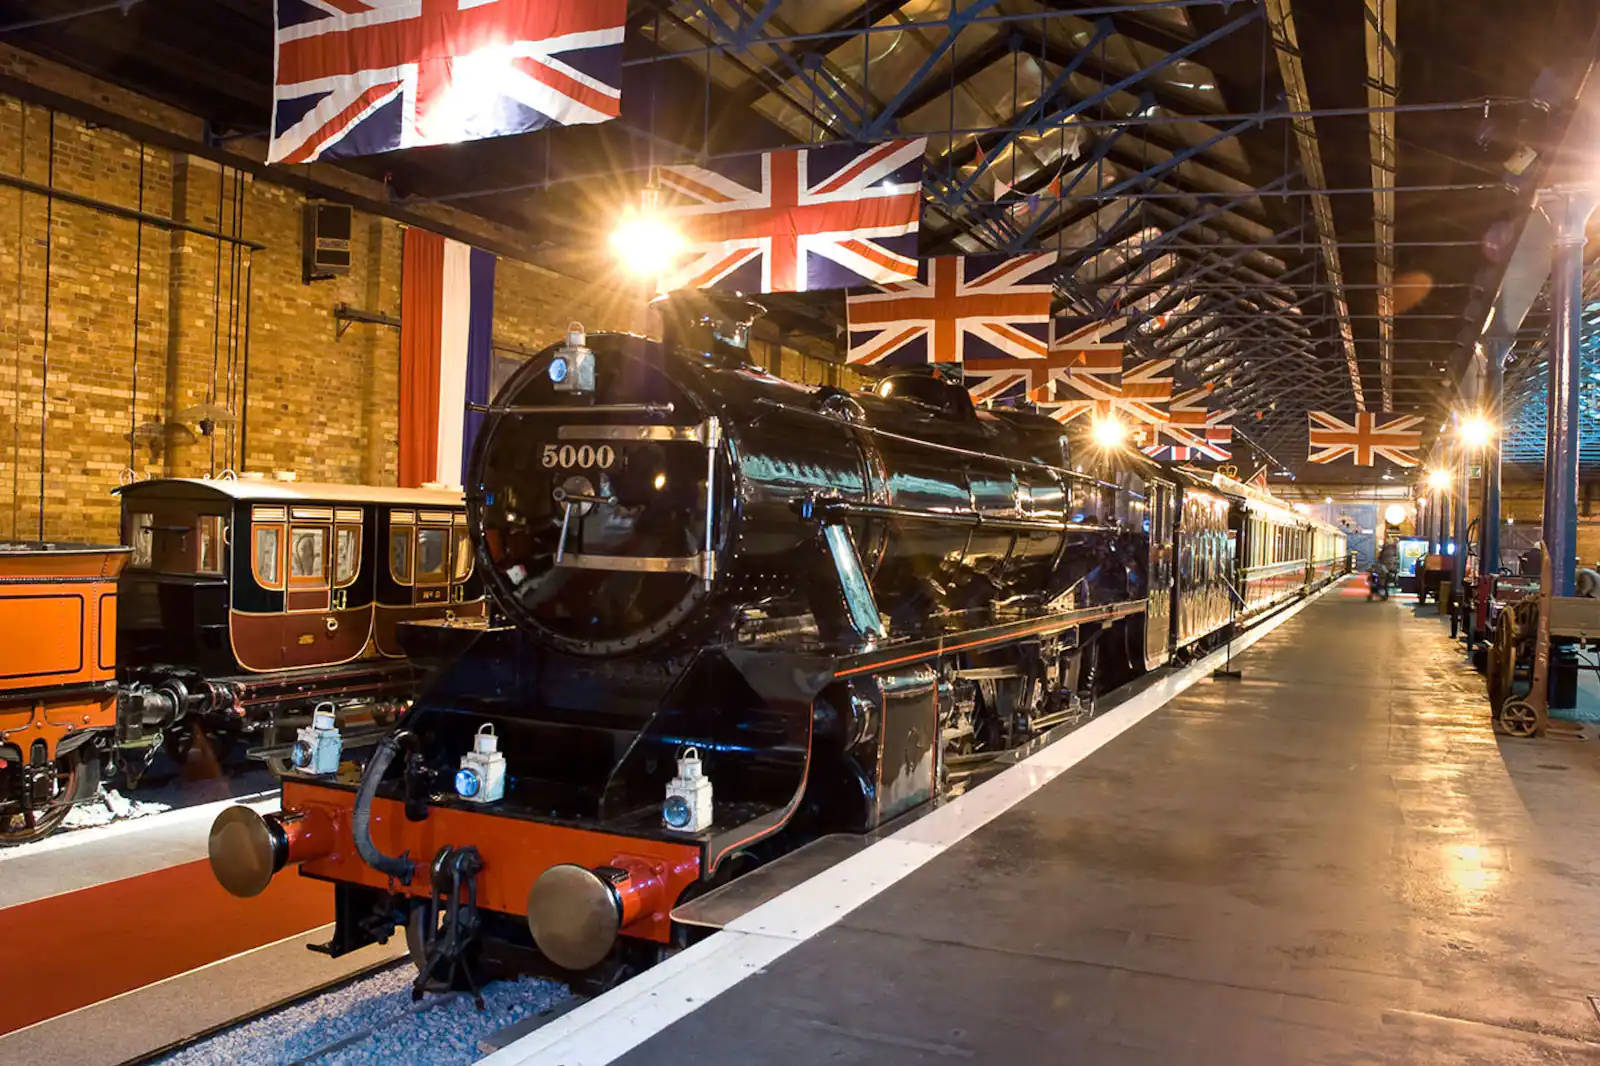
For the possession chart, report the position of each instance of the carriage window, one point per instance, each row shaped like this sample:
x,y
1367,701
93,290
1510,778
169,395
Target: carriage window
x,y
400,555
266,556
346,555
432,552
140,538
210,544
463,564
308,554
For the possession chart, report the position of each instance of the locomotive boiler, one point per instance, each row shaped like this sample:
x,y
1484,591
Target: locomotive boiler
x,y
731,614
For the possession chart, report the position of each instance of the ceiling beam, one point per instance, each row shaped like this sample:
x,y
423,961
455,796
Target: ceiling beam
x,y
1286,46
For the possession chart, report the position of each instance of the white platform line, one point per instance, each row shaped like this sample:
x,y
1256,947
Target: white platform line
x,y
618,1021
178,817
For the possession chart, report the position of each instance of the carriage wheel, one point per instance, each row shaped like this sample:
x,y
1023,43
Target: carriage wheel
x,y
25,826
1517,718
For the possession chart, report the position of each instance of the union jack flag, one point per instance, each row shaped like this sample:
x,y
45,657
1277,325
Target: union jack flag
x,y
1082,373
1146,390
359,76
974,310
816,218
1367,438
1192,430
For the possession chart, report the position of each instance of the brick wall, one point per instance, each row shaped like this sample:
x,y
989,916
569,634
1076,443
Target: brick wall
x,y
320,404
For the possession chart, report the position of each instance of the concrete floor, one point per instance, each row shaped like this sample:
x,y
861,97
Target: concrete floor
x,y
1332,861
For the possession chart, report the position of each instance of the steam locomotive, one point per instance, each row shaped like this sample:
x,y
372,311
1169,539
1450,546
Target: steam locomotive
x,y
234,608
733,614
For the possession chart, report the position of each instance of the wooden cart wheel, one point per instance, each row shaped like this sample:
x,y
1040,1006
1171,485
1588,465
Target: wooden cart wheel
x,y
25,826
1502,665
1517,718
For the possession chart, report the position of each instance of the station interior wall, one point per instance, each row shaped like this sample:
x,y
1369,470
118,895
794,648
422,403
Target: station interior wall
x,y
1521,510
320,404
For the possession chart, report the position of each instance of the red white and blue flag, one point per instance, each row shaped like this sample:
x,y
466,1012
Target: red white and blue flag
x,y
446,354
795,221
973,310
1370,436
352,77
1088,377
1192,430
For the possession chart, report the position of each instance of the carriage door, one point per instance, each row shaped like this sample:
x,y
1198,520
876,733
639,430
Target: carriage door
x,y
1160,520
431,580
460,559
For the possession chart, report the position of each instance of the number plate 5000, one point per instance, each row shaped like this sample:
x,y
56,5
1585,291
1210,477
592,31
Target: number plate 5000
x,y
569,456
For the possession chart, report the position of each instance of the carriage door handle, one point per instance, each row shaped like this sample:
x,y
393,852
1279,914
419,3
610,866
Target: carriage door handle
x,y
332,623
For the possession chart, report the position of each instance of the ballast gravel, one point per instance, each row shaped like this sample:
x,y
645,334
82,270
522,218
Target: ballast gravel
x,y
372,1021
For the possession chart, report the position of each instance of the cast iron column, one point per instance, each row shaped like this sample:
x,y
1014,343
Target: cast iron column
x,y
1463,486
1568,212
1495,350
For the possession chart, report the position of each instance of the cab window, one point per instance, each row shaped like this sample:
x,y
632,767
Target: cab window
x,y
140,538
308,554
210,561
400,554
346,555
463,563
267,555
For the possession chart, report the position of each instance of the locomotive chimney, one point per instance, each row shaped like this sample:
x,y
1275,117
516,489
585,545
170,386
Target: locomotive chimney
x,y
713,323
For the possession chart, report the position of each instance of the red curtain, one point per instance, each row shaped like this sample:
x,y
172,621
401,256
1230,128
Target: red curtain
x,y
421,318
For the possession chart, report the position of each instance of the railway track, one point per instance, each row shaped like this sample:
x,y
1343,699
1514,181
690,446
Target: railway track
x,y
369,1016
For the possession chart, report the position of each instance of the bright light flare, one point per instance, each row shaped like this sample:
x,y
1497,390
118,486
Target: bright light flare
x,y
1476,431
645,243
1438,480
1395,514
1109,432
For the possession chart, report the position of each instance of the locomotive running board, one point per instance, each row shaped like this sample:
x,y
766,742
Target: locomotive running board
x,y
743,894
919,650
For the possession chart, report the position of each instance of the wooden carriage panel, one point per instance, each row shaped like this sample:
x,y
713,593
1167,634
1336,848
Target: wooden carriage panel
x,y
325,638
263,642
257,640
46,629
108,632
386,626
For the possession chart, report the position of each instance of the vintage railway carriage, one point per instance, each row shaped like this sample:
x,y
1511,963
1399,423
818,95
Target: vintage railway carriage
x,y
58,693
1330,553
1206,562
1274,552
247,601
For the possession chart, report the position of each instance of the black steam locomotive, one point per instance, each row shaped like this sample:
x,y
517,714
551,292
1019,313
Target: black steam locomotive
x,y
732,614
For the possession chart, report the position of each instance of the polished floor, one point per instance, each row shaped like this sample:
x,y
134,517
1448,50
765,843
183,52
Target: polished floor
x,y
1333,860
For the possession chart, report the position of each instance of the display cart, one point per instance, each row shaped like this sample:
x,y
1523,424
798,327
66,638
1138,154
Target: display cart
x,y
1519,656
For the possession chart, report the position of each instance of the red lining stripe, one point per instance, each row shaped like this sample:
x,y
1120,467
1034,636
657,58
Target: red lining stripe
x,y
844,177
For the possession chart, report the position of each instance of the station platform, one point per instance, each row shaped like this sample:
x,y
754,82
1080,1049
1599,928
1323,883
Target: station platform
x,y
1332,860
101,914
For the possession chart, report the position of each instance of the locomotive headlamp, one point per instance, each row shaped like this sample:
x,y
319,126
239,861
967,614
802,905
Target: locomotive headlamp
x,y
572,367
